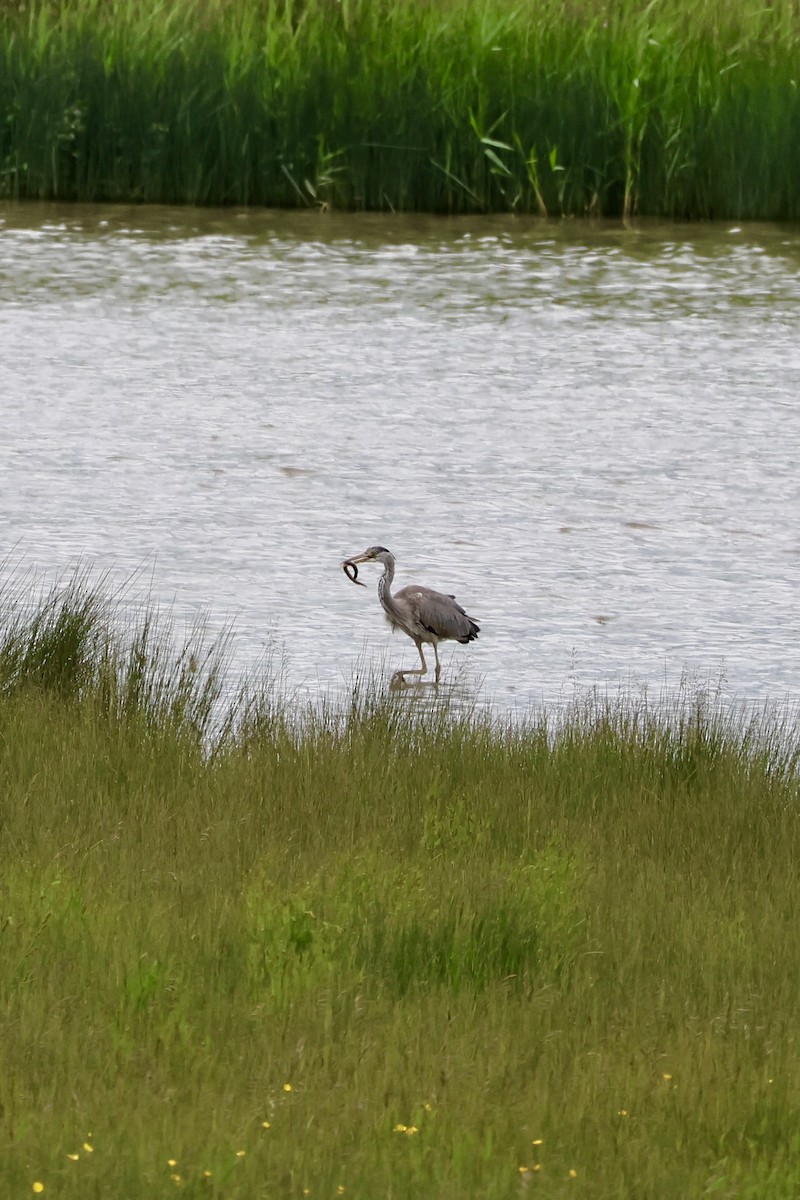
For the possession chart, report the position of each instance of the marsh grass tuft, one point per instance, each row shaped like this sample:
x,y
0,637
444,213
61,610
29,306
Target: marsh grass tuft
x,y
53,648
606,108
248,947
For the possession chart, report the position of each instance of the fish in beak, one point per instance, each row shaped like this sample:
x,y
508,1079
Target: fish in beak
x,y
350,568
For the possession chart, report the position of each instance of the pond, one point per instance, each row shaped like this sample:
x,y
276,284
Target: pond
x,y
588,432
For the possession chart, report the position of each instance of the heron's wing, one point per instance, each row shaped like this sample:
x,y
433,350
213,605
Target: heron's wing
x,y
438,613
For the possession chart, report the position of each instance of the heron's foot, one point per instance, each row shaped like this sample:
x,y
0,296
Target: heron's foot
x,y
399,683
399,680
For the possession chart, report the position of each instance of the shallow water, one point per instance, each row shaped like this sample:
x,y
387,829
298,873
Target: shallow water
x,y
588,432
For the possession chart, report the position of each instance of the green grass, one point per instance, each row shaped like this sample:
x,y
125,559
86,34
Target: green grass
x,y
355,919
599,108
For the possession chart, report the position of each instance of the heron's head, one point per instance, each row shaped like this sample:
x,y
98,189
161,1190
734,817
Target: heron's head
x,y
374,554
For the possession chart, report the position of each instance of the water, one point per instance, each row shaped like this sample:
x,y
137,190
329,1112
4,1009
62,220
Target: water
x,y
589,433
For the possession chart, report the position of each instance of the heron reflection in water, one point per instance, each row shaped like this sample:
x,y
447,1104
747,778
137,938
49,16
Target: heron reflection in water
x,y
427,616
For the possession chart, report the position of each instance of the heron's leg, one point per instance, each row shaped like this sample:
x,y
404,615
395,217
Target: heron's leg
x,y
423,670
438,664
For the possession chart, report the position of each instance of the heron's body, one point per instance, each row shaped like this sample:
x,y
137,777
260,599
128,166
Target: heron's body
x,y
427,616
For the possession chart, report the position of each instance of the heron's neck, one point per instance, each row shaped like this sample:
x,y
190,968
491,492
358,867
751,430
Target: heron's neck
x,y
385,585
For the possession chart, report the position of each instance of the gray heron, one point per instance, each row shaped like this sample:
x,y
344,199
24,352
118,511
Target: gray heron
x,y
427,616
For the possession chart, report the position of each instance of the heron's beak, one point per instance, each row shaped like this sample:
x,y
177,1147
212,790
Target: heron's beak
x,y
359,558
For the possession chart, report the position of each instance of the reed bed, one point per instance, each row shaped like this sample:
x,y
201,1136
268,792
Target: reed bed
x,y
600,107
372,950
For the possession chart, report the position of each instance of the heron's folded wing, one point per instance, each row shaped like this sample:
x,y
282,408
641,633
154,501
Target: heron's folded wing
x,y
438,613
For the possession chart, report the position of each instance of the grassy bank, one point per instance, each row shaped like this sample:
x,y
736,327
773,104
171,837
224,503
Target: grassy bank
x,y
603,107
383,953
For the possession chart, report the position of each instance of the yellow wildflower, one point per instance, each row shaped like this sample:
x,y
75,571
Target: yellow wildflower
x,y
573,1174
73,1157
537,1142
400,1128
666,1076
241,1153
171,1162
38,1186
287,1087
266,1125
88,1148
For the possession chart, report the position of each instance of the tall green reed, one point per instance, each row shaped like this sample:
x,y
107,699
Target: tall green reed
x,y
472,105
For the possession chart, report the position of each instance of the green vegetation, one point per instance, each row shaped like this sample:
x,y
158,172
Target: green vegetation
x,y
383,952
602,107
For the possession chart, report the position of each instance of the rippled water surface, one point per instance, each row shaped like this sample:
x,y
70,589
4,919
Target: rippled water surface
x,y
590,434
